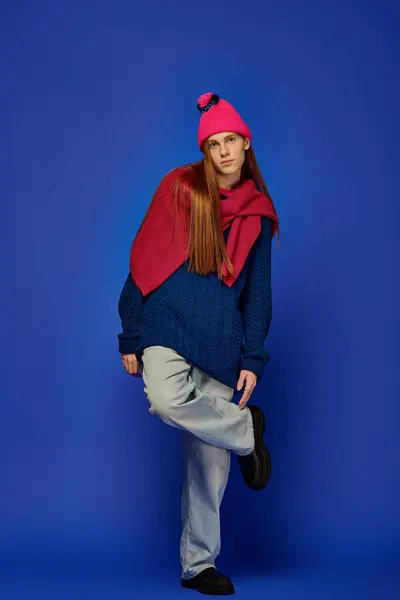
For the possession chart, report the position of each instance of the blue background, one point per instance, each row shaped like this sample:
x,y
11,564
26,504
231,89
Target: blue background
x,y
98,102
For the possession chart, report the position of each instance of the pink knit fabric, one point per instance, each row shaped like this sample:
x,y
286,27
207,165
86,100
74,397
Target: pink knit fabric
x,y
219,118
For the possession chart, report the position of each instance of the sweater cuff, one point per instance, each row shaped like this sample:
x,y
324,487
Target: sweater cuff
x,y
127,344
255,364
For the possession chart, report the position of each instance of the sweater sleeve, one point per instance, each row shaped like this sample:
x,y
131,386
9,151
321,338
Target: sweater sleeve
x,y
130,308
257,304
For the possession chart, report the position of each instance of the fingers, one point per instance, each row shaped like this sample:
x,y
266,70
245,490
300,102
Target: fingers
x,y
241,380
251,381
131,364
246,396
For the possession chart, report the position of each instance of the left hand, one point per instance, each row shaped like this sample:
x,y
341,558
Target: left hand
x,y
251,380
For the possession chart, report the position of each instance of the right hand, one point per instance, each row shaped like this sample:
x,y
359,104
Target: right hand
x,y
131,364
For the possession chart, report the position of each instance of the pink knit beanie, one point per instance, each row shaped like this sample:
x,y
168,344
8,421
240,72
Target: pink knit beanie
x,y
218,115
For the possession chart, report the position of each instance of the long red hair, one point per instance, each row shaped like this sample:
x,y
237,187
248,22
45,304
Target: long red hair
x,y
198,187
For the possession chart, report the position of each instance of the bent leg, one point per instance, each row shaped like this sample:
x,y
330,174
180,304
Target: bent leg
x,y
175,398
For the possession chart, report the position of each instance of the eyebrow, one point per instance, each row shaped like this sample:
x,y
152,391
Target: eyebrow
x,y
227,136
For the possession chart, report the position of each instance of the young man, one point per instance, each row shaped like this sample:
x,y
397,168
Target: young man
x,y
195,312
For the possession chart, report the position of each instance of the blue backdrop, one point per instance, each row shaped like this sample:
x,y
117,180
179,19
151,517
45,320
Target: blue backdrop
x,y
98,102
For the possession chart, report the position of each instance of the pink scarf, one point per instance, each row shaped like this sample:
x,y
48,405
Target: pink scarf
x,y
156,254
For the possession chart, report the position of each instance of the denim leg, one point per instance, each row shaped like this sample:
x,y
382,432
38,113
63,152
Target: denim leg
x,y
212,426
205,479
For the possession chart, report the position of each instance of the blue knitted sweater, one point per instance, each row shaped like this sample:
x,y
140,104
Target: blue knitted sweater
x,y
218,329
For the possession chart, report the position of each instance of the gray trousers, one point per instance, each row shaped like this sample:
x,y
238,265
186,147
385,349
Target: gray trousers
x,y
187,398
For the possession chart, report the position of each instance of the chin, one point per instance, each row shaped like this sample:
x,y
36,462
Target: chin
x,y
231,169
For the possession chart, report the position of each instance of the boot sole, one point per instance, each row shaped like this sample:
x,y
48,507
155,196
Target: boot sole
x,y
259,427
185,584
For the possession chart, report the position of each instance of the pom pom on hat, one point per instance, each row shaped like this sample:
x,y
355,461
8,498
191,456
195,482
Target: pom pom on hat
x,y
205,101
217,115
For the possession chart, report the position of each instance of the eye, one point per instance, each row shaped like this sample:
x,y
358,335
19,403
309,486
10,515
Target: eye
x,y
232,138
212,144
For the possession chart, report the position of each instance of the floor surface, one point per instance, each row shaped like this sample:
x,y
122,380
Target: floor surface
x,y
286,586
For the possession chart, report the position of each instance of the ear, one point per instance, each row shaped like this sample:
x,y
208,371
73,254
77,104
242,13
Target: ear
x,y
246,143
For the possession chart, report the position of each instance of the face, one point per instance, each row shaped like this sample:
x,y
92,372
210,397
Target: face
x,y
227,151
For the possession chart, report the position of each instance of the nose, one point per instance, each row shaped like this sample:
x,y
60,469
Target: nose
x,y
223,150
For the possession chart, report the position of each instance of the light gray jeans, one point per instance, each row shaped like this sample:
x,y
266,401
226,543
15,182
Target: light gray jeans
x,y
185,397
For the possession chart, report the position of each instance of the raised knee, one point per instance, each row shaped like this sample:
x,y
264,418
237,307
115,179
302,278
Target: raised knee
x,y
161,403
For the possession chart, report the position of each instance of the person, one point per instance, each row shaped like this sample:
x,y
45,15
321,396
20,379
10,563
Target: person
x,y
195,311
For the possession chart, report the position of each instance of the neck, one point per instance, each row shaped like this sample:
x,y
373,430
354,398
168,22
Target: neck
x,y
228,181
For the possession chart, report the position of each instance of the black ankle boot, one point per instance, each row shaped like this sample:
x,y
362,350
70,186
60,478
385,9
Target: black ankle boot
x,y
210,581
256,467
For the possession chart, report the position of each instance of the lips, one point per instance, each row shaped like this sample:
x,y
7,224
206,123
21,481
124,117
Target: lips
x,y
226,162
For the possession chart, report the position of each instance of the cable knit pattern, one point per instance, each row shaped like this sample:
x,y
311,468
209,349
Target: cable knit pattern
x,y
218,329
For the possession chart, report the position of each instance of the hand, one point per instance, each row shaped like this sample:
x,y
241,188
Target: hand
x,y
251,381
131,364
